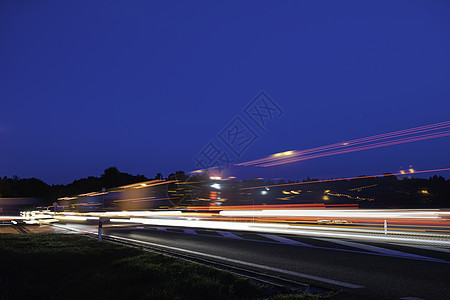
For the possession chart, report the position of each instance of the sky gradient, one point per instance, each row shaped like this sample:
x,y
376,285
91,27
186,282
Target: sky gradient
x,y
144,86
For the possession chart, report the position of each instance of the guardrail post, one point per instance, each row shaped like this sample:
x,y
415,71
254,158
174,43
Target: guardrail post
x,y
385,227
100,225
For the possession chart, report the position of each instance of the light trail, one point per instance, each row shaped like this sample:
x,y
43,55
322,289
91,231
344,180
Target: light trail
x,y
397,215
287,229
347,178
347,143
144,184
273,206
414,223
366,147
371,142
325,213
144,199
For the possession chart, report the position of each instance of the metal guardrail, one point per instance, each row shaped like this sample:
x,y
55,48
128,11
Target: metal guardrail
x,y
282,285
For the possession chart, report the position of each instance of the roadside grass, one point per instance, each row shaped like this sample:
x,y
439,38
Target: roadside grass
x,y
68,266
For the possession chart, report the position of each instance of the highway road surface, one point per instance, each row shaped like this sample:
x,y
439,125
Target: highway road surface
x,y
356,267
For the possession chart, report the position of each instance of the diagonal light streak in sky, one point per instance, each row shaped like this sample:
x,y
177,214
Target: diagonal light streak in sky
x,y
425,132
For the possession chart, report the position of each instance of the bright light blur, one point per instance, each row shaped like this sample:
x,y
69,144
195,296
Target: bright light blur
x,y
320,213
403,225
286,153
215,186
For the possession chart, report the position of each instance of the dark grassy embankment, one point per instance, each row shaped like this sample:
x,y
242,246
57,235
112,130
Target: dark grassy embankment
x,y
60,266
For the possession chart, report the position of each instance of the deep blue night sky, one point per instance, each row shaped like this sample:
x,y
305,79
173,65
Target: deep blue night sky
x,y
144,86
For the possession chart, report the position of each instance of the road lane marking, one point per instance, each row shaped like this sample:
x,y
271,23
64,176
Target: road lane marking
x,y
249,264
65,227
385,251
20,230
312,246
228,234
445,250
284,240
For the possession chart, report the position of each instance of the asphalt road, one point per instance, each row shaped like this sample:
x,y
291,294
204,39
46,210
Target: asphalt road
x,y
360,269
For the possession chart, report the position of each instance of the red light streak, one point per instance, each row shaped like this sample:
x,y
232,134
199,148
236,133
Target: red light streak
x,y
275,206
390,138
367,147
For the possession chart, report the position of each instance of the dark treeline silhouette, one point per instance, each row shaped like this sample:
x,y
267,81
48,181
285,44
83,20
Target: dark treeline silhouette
x,y
386,191
33,187
23,187
16,187
111,177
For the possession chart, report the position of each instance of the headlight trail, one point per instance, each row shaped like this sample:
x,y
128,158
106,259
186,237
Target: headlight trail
x,y
325,213
426,223
285,228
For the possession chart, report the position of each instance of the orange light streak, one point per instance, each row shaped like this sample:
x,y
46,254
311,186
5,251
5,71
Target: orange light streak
x,y
274,206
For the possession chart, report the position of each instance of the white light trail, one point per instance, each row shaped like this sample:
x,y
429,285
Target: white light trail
x,y
75,218
321,213
288,229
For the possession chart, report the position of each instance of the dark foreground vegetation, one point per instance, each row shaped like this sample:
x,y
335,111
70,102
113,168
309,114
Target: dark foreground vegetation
x,y
63,266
